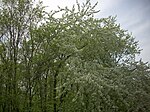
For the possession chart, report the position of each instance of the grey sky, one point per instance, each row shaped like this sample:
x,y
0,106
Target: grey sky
x,y
133,15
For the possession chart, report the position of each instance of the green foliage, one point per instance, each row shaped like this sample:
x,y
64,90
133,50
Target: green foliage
x,y
75,63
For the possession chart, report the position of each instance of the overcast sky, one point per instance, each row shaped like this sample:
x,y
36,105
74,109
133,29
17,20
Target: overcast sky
x,y
133,15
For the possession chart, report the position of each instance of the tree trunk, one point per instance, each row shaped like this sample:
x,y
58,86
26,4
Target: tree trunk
x,y
54,93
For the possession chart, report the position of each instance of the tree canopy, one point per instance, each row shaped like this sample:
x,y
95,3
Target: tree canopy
x,y
72,63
